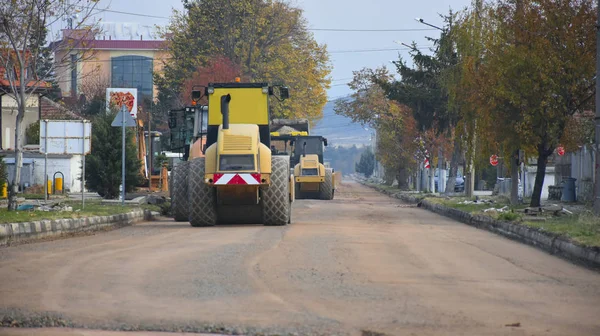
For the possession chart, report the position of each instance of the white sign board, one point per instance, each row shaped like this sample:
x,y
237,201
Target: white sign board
x,y
116,98
66,136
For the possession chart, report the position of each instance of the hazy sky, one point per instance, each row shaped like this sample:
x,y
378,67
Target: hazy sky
x,y
329,14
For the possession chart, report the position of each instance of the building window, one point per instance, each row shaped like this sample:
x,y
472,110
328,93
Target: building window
x,y
133,72
73,75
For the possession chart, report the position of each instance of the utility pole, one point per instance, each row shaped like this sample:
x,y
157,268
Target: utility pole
x,y
441,174
597,138
149,152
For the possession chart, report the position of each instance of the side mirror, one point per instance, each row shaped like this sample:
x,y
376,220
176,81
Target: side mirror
x,y
325,142
284,93
196,95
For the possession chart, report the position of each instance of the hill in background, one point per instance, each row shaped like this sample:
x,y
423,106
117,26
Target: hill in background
x,y
340,130
346,139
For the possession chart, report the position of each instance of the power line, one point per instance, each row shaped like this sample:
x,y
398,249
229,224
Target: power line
x,y
370,30
310,29
373,50
331,52
133,14
342,79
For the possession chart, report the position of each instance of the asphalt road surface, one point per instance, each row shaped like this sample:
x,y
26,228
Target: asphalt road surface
x,y
362,264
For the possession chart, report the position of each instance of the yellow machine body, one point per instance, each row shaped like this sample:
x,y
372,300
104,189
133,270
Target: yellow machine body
x,y
309,173
248,110
237,180
247,106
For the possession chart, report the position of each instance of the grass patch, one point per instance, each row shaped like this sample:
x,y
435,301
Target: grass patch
x,y
583,228
31,196
509,216
92,208
455,202
478,208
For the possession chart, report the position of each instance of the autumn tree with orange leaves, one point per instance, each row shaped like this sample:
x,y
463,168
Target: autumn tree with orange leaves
x,y
219,69
526,68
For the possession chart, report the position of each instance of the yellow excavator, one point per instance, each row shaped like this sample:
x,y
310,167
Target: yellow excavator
x,y
232,176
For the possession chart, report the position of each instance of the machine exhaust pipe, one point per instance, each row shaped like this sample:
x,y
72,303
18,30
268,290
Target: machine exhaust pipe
x,y
225,99
304,149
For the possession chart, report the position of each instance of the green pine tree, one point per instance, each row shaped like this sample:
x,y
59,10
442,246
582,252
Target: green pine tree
x,y
103,165
366,165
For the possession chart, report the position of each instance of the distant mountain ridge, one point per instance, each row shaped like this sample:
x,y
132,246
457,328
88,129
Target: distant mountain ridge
x,y
340,130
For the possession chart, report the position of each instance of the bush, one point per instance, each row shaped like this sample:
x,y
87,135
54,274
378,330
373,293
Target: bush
x,y
3,171
32,133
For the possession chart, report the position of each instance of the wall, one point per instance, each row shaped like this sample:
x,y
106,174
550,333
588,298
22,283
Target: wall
x,y
158,64
98,65
69,165
9,116
549,180
582,168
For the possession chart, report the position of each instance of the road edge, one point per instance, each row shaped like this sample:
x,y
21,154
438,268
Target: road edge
x,y
551,243
30,231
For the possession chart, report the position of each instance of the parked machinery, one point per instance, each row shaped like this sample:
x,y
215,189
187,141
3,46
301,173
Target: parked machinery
x,y
312,178
232,176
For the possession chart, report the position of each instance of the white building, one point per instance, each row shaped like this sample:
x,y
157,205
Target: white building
x,y
32,172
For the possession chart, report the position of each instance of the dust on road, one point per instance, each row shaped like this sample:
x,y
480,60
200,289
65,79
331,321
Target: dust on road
x,y
362,263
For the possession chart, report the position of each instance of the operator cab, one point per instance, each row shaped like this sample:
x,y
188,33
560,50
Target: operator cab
x,y
311,144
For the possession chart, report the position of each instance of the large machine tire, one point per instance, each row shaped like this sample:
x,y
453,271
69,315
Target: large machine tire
x,y
276,197
202,200
326,188
179,192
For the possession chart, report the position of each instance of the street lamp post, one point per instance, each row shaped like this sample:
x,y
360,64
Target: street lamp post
x,y
428,24
441,173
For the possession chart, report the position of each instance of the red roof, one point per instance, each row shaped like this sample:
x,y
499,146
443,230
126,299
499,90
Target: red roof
x,y
54,111
124,44
31,83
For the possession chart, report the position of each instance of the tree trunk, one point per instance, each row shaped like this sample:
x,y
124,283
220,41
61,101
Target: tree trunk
x,y
514,178
542,163
12,196
402,178
451,183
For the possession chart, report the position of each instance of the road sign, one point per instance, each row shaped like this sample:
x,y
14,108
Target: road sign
x,y
123,119
494,160
560,150
427,165
128,120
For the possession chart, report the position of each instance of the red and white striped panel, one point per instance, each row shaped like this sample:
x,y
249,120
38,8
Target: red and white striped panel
x,y
232,179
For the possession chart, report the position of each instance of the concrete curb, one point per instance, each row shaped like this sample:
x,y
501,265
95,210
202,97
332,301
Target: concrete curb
x,y
546,241
15,232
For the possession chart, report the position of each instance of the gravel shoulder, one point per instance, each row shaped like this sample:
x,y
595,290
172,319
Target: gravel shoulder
x,y
357,264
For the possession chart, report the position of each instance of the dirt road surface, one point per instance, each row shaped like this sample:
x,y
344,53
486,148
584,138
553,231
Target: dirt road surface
x,y
360,264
